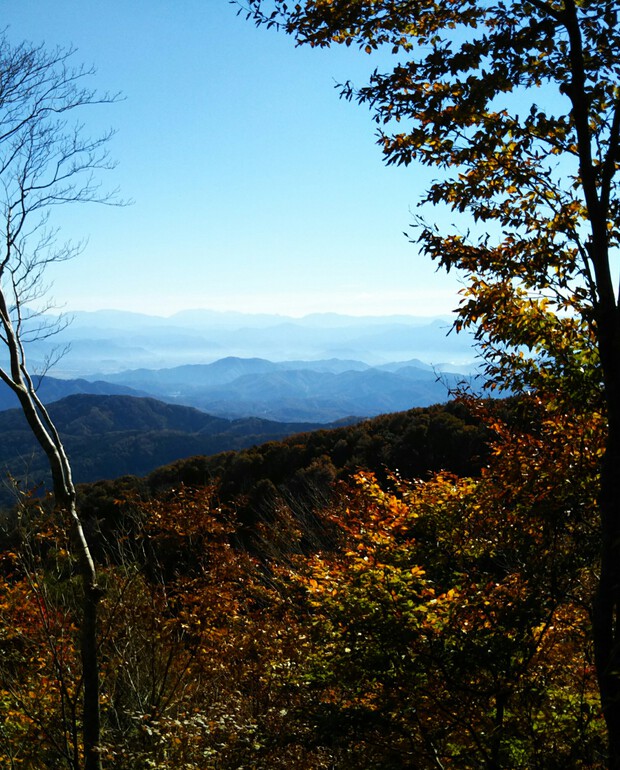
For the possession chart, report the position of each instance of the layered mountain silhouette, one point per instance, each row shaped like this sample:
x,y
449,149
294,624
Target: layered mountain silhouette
x,y
52,389
316,391
136,392
287,391
113,341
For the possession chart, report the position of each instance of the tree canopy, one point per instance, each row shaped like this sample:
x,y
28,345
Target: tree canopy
x,y
517,107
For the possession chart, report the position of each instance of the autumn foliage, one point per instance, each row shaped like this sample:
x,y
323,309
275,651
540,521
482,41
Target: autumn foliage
x,y
427,623
456,614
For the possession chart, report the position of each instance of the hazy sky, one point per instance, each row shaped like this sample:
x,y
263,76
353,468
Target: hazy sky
x,y
255,187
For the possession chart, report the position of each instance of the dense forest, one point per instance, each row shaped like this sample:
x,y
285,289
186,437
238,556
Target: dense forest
x,y
431,589
112,435
303,468
409,591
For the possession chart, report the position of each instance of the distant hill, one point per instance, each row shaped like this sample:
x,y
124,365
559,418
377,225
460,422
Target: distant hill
x,y
319,391
109,436
51,389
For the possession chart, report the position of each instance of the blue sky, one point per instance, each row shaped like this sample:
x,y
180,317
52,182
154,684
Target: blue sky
x,y
255,187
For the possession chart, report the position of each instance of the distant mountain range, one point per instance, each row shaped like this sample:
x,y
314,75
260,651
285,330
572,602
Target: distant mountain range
x,y
321,391
52,389
286,391
112,341
136,392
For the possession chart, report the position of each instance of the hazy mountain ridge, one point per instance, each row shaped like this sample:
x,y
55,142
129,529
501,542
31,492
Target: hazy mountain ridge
x,y
50,389
309,391
317,391
112,425
321,396
114,341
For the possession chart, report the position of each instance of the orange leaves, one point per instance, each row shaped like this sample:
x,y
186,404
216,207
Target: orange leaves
x,y
437,620
461,601
185,514
39,673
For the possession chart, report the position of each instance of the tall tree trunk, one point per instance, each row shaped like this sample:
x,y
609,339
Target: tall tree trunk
x,y
606,618
47,435
90,669
606,615
91,722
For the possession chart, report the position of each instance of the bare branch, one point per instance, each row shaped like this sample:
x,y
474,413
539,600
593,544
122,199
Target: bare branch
x,y
47,160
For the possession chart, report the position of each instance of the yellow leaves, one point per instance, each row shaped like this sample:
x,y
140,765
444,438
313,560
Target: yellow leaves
x,y
450,595
313,585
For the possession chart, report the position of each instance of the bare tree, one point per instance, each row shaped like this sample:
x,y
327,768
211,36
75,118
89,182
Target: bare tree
x,y
45,161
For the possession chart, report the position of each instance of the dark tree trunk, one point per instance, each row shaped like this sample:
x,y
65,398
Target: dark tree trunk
x,y
606,614
606,619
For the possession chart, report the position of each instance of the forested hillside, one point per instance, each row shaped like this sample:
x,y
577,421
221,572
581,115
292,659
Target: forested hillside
x,y
110,436
338,599
302,469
